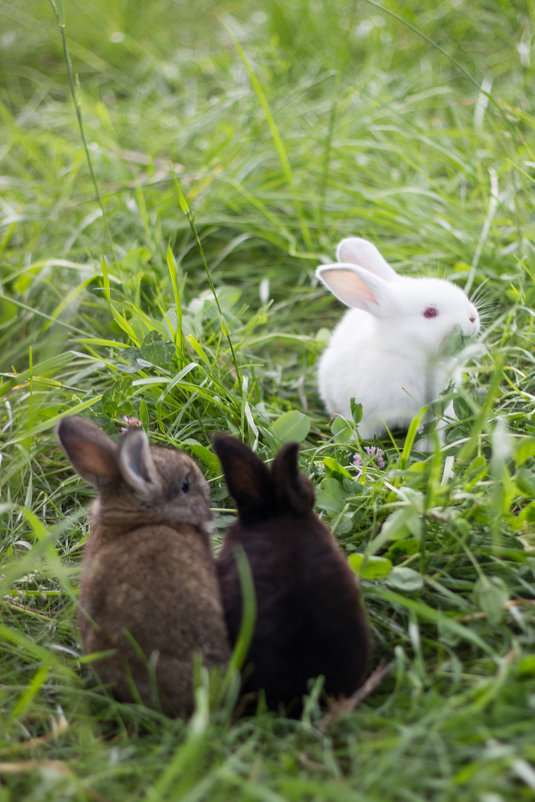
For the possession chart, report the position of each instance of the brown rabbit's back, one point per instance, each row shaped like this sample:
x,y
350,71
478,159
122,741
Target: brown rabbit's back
x,y
149,581
156,589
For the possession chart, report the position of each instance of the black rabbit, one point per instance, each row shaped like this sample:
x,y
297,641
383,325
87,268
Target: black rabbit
x,y
149,596
310,620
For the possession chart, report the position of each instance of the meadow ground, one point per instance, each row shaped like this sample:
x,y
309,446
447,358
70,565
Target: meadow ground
x,y
226,147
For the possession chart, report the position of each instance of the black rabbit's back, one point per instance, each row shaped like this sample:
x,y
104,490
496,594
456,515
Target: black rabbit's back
x,y
310,620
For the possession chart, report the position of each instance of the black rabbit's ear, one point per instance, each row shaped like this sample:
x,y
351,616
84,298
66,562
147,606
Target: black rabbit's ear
x,y
293,491
92,453
247,477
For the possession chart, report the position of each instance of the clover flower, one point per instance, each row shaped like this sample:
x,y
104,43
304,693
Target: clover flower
x,y
129,423
376,455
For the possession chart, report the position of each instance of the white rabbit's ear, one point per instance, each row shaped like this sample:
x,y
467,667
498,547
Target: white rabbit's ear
x,y
356,287
361,252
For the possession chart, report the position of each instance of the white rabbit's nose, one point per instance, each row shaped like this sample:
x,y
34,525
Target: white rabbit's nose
x,y
474,324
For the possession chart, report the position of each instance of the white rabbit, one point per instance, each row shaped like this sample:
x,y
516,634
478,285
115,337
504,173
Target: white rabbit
x,y
392,350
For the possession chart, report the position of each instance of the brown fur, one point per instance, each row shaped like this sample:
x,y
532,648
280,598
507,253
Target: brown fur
x,y
149,593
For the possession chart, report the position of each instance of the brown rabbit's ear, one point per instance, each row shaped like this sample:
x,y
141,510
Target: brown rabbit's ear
x,y
293,491
92,453
247,477
137,466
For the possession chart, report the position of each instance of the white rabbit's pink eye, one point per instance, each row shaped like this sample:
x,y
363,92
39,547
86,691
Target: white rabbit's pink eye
x,y
431,311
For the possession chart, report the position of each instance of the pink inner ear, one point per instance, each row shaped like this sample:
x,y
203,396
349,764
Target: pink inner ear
x,y
347,286
97,461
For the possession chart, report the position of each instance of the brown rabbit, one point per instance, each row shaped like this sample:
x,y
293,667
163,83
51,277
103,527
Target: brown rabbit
x,y
310,620
149,596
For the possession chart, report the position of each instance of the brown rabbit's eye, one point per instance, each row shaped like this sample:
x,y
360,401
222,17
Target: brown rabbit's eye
x,y
185,485
431,311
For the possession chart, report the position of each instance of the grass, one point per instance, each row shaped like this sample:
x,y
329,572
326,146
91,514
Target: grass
x,y
279,129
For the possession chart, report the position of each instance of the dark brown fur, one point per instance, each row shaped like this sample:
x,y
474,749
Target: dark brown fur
x,y
149,592
310,620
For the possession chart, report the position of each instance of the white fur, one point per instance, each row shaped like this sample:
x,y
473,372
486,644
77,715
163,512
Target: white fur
x,y
384,352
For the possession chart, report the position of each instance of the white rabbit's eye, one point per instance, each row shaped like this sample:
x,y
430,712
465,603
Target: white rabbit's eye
x,y
431,311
